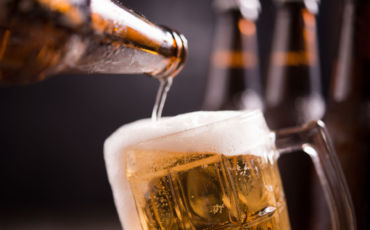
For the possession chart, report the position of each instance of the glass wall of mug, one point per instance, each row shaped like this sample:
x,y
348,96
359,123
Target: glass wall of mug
x,y
203,170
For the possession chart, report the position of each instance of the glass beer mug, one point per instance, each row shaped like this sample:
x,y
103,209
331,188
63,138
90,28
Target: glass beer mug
x,y
215,170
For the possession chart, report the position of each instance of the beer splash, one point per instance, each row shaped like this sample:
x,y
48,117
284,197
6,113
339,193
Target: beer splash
x,y
164,87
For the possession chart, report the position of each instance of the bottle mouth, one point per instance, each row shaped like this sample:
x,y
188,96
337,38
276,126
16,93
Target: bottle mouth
x,y
177,62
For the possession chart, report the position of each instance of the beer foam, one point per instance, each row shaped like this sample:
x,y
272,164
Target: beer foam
x,y
224,132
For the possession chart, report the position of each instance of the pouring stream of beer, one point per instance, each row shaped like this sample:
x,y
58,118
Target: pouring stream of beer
x,y
165,85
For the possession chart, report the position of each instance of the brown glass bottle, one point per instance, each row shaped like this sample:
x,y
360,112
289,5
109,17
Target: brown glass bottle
x,y
348,111
293,96
234,76
39,38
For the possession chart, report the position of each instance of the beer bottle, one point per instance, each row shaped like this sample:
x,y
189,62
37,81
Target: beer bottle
x,y
234,76
39,38
293,95
348,112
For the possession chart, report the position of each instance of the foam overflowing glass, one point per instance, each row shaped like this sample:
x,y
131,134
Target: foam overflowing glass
x,y
215,170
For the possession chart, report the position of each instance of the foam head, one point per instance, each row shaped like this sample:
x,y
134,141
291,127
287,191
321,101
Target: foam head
x,y
226,132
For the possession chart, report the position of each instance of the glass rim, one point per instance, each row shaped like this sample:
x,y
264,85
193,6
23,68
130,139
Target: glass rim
x,y
239,115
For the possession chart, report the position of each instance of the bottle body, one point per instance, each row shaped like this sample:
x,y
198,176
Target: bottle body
x,y
234,76
40,38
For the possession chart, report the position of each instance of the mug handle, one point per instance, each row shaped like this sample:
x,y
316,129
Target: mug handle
x,y
313,139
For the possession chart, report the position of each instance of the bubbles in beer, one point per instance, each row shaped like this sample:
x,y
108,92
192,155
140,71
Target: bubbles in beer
x,y
206,191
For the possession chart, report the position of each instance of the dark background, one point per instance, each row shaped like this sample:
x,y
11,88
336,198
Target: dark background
x,y
52,173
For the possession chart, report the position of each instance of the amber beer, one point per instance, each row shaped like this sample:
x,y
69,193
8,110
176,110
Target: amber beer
x,y
195,171
207,191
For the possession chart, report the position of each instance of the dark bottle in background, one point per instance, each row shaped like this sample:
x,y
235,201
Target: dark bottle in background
x,y
234,78
348,111
293,97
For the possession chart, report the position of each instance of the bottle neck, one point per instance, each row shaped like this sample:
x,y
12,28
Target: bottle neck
x,y
294,57
238,49
234,77
124,42
293,80
39,38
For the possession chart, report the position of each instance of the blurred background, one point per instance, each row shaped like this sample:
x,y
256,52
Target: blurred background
x,y
52,132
